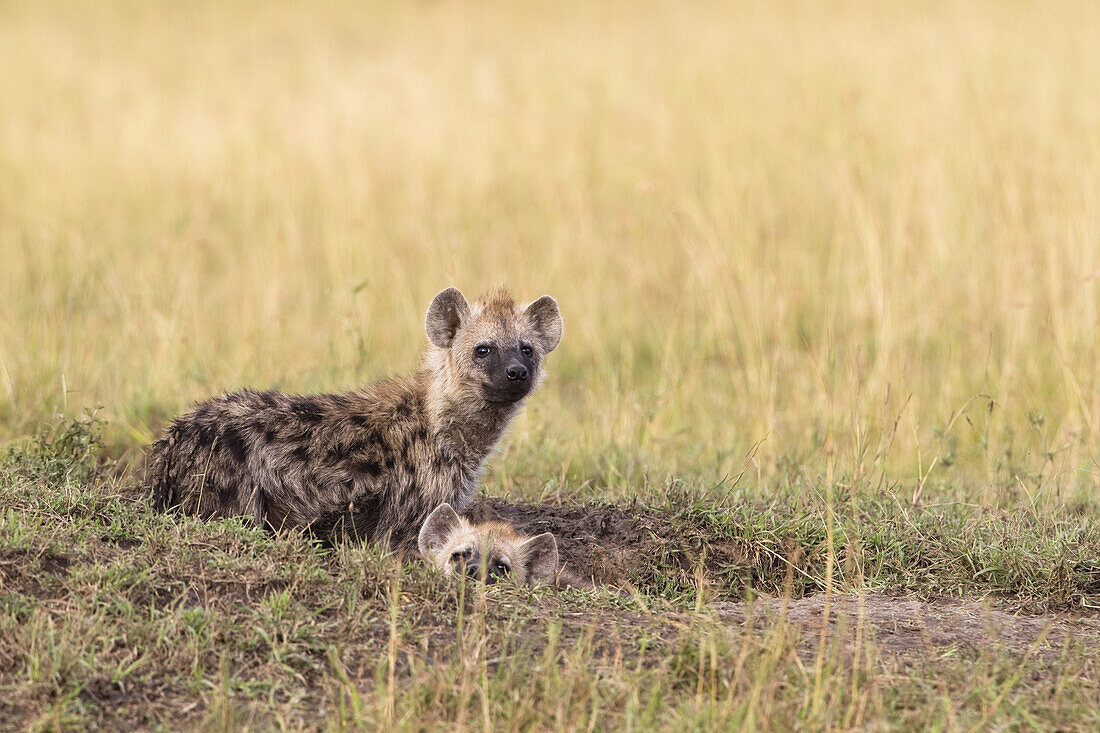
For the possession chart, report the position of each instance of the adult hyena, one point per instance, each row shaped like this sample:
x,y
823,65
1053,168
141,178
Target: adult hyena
x,y
368,465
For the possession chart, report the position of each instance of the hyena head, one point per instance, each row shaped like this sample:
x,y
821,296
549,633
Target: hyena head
x,y
492,349
491,550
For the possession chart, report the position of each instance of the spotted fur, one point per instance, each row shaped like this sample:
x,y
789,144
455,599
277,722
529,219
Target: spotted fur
x,y
371,464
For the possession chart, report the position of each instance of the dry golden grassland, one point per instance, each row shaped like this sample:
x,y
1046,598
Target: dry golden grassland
x,y
830,275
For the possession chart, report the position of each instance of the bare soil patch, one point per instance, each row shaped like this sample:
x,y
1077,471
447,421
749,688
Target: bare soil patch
x,y
21,570
911,630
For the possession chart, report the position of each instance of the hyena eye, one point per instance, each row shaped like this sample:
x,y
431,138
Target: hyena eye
x,y
457,557
526,349
482,350
502,568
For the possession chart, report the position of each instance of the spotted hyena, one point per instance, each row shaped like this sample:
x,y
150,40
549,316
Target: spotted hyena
x,y
490,550
371,464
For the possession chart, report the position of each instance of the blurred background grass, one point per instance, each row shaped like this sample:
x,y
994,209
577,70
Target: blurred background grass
x,y
836,244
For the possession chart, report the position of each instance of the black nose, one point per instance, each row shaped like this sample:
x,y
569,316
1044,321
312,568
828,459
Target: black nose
x,y
517,371
473,570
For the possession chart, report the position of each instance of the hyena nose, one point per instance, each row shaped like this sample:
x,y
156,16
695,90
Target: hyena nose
x,y
472,569
517,371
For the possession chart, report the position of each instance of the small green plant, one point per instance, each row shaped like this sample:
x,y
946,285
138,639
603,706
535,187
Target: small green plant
x,y
65,450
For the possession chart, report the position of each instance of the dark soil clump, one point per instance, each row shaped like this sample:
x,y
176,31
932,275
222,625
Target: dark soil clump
x,y
610,545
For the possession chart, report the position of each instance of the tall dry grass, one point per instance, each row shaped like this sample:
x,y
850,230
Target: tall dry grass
x,y
866,234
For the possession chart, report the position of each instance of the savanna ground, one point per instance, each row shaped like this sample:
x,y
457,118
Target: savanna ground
x,y
826,416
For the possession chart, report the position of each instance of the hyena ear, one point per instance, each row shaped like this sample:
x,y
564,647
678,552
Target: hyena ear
x,y
542,557
437,528
546,319
445,316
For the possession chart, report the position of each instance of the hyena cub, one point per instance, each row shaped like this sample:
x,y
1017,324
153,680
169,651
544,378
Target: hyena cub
x,y
491,550
368,465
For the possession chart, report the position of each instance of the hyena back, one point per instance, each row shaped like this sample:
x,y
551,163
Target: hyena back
x,y
368,465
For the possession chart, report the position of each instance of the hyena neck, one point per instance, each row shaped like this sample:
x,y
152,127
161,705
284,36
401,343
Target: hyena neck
x,y
467,426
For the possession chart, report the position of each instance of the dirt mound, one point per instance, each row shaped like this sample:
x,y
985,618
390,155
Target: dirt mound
x,y
615,546
599,542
